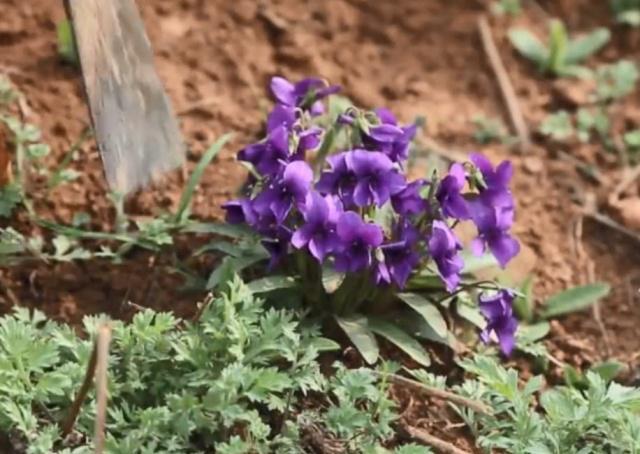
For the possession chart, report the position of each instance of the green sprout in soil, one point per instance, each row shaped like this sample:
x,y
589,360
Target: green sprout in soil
x,y
627,11
510,7
562,55
66,44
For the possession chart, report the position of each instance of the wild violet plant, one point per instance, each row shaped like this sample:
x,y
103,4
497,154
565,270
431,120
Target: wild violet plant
x,y
329,196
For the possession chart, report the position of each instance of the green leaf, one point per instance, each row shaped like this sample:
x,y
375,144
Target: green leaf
x,y
608,370
574,378
557,125
533,333
322,344
632,139
357,330
331,279
529,46
472,315
558,44
400,339
474,263
229,267
417,327
630,18
37,150
271,283
66,44
575,299
236,231
523,305
425,280
581,48
427,310
185,199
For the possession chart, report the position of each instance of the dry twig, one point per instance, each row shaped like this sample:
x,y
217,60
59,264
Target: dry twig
x,y
590,279
439,393
68,423
506,88
626,181
430,440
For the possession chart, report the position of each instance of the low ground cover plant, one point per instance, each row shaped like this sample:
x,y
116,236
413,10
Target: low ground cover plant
x,y
333,241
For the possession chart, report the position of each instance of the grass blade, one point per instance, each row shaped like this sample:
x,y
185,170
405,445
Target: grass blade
x,y
185,199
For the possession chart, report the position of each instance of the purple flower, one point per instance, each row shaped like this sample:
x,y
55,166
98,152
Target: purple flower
x,y
281,116
357,240
451,200
376,178
269,156
239,212
494,179
409,201
285,190
345,119
388,137
498,311
400,258
303,94
318,233
496,192
307,140
340,180
444,247
493,231
492,211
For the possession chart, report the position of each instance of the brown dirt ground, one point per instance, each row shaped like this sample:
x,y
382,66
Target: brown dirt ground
x,y
418,57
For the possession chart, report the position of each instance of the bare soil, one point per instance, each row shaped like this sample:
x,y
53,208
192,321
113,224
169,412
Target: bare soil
x,y
418,57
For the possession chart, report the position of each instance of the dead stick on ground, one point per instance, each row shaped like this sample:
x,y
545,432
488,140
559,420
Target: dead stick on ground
x,y
506,88
102,364
590,279
440,393
626,181
607,221
69,422
428,439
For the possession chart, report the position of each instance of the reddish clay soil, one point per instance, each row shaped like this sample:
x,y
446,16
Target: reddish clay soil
x,y
418,57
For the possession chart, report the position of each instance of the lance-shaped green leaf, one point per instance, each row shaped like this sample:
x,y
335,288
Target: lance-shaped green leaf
x,y
357,330
575,299
427,310
400,339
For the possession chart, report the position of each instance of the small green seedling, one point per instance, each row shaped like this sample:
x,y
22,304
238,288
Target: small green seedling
x,y
592,120
558,126
632,143
66,44
627,11
489,130
616,81
562,55
511,7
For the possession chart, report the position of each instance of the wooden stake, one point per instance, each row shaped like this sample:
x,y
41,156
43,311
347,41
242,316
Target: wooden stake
x,y
102,364
506,88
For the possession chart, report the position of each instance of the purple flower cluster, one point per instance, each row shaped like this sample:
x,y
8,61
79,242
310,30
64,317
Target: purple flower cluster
x,y
332,216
